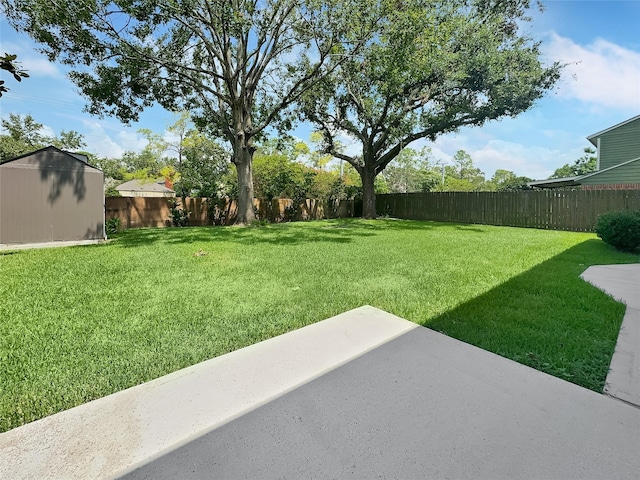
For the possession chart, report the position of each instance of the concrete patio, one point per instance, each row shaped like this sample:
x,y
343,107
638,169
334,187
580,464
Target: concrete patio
x,y
622,282
364,394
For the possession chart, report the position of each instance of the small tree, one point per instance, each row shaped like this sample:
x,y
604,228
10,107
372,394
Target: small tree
x,y
275,176
587,163
463,175
112,168
410,171
203,166
507,181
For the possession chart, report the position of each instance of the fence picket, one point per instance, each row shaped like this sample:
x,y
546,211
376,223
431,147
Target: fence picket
x,y
575,210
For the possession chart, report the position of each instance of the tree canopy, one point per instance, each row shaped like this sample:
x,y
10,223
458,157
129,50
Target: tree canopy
x,y
436,66
507,181
411,171
9,63
236,65
24,134
587,163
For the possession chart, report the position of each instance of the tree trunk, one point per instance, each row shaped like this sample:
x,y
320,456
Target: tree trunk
x,y
243,161
368,192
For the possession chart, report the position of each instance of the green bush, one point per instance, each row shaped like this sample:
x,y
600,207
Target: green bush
x,y
111,192
620,229
112,225
179,216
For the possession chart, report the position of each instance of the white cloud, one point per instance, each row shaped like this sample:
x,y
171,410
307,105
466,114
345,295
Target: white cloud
x,y
490,154
105,140
102,145
130,140
47,131
35,63
13,47
351,146
601,73
171,137
438,154
531,161
40,67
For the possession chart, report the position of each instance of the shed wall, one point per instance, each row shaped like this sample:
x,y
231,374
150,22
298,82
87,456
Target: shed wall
x,y
48,197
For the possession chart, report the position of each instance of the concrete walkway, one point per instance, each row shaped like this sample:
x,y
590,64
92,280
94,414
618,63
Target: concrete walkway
x,y
29,246
622,282
364,394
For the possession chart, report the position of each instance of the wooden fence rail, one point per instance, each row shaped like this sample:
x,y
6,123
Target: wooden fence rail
x,y
575,210
136,212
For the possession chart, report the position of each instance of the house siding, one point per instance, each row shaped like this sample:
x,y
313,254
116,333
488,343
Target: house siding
x,y
620,145
625,174
137,188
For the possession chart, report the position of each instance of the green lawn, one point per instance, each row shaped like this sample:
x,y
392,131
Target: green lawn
x,y
79,323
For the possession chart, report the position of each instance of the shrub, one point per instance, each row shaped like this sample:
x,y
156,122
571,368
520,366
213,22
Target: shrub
x,y
179,216
112,225
218,209
620,229
111,192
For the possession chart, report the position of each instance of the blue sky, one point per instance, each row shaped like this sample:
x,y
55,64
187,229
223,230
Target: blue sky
x,y
599,39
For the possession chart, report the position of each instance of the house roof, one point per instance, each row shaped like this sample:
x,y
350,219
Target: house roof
x,y
610,168
593,138
556,182
574,181
76,156
141,186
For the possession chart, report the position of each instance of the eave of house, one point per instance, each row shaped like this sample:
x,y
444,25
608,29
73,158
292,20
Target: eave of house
x,y
557,182
594,137
589,175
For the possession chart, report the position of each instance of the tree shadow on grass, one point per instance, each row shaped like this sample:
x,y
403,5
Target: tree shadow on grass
x,y
335,231
548,317
470,228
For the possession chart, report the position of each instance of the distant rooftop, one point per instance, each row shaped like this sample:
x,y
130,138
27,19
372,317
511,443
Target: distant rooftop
x,y
142,186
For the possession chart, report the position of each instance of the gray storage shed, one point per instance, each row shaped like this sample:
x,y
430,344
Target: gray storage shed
x,y
50,196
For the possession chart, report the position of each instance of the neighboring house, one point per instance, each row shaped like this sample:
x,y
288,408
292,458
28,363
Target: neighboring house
x,y
50,196
139,188
110,184
618,160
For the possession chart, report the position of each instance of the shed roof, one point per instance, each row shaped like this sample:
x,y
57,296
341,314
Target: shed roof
x,y
80,157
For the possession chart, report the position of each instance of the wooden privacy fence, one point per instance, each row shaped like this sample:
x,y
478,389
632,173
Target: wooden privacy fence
x,y
575,210
136,212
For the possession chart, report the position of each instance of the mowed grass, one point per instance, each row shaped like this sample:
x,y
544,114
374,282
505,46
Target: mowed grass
x,y
83,322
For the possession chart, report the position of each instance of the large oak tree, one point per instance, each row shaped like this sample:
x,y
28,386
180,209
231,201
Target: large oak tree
x,y
236,65
436,66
